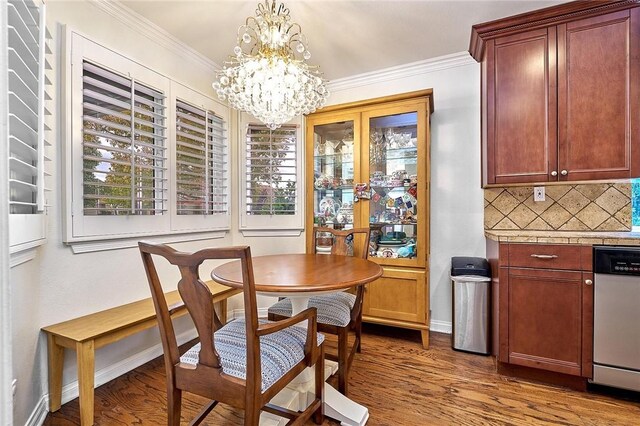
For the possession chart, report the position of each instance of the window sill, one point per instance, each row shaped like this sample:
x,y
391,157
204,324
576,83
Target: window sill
x,y
271,232
123,243
22,253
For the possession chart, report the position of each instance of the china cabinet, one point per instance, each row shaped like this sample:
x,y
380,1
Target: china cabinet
x,y
368,166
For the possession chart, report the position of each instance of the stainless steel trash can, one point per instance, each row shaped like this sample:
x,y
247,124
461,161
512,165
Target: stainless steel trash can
x,y
471,286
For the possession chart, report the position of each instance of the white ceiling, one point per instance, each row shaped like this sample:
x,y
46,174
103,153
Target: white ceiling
x,y
346,38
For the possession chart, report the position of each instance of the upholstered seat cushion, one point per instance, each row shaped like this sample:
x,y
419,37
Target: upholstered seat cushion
x,y
279,351
333,308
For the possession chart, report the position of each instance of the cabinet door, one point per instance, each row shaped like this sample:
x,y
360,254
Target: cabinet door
x,y
519,134
598,74
395,163
333,161
545,319
399,295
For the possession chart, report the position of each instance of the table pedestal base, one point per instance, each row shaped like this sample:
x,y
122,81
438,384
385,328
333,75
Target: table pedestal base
x,y
339,407
300,392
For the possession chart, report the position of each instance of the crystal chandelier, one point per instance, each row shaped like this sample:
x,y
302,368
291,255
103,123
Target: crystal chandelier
x,y
268,76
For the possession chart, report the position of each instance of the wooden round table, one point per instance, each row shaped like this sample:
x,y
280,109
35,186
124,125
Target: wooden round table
x,y
300,276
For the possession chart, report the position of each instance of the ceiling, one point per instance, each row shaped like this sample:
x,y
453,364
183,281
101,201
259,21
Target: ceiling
x,y
345,38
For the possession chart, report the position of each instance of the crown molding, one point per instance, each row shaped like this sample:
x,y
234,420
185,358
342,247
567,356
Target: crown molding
x,y
402,71
541,18
152,31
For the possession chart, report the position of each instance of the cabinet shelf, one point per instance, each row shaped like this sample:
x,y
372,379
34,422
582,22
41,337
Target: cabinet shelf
x,y
348,188
382,224
334,155
404,186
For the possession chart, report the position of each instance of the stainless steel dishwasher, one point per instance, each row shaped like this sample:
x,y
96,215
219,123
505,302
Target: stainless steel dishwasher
x,y
616,346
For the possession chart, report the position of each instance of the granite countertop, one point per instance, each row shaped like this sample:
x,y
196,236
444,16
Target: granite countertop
x,y
564,237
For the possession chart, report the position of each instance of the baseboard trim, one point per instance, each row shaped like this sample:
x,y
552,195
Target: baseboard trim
x,y
39,414
239,313
440,326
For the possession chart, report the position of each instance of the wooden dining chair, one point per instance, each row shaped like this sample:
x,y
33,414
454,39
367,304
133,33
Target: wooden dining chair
x,y
338,313
244,363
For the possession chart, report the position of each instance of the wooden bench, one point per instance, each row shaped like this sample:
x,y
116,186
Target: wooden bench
x,y
90,332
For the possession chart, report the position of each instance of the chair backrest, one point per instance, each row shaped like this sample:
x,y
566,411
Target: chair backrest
x,y
340,245
199,302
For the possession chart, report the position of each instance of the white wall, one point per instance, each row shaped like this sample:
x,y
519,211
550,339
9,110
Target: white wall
x,y
58,285
456,197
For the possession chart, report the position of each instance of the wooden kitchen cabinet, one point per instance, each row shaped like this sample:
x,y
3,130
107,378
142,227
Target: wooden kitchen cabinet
x,y
520,112
545,307
598,77
560,95
379,147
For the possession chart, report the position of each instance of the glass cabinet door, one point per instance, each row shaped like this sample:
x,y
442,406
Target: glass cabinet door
x,y
333,175
396,182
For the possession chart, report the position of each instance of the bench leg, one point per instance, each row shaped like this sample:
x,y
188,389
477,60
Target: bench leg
x,y
223,311
86,373
55,353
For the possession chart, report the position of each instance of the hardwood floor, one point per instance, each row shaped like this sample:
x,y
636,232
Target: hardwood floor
x,y
400,383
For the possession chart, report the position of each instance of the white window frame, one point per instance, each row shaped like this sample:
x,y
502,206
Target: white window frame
x,y
271,225
221,221
79,226
94,233
27,231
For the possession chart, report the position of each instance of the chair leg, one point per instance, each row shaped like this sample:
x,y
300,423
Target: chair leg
x,y
358,341
343,360
318,416
174,406
251,416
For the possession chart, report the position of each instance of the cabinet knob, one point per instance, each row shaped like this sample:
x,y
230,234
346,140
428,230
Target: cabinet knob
x,y
554,173
564,173
588,282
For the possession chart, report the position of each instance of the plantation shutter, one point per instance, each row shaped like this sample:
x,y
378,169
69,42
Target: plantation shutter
x,y
271,170
124,145
26,64
201,161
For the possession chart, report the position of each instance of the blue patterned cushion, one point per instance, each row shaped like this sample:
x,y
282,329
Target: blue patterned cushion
x,y
333,308
279,351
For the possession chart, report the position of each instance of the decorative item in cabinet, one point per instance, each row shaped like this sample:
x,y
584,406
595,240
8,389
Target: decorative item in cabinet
x,y
368,165
333,171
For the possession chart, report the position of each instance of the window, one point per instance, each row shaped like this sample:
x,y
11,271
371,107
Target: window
x,y
271,177
26,67
201,162
123,158
147,156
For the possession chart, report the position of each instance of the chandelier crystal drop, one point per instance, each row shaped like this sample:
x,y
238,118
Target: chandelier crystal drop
x,y
268,76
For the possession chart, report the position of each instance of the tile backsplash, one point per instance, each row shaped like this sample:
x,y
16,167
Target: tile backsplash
x,y
583,207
